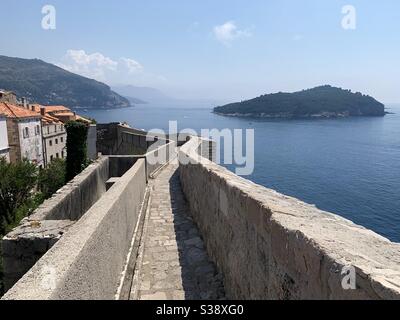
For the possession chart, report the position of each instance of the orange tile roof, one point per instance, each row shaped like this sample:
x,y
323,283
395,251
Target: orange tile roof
x,y
52,112
50,108
12,111
36,107
78,117
56,108
48,119
65,114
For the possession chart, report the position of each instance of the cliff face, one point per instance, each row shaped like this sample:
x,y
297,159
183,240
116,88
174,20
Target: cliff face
x,y
319,102
48,84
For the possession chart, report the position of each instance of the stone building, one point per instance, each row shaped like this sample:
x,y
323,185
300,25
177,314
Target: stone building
x,y
4,148
8,96
62,113
24,133
54,134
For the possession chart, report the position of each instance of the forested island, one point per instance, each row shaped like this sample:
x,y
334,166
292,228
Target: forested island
x,y
320,102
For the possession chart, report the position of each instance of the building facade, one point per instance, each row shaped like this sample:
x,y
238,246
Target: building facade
x,y
4,147
24,134
53,132
54,139
8,97
55,135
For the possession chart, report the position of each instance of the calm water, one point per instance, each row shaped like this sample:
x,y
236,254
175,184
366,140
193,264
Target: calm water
x,y
347,166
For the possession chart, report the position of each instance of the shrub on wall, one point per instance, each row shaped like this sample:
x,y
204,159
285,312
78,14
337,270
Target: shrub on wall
x,y
16,184
77,160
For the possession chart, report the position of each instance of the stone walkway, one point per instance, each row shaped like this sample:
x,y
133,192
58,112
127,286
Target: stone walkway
x,y
175,264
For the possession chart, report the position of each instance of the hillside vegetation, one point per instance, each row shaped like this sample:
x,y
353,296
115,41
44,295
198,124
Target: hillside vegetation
x,y
324,101
48,84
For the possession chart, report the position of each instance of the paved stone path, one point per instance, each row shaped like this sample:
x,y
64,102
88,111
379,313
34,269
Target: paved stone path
x,y
175,264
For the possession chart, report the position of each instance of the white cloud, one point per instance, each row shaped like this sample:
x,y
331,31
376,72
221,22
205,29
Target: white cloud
x,y
97,65
132,65
228,32
93,65
102,68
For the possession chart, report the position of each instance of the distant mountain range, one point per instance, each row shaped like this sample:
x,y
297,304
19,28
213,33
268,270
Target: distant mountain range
x,y
155,97
142,94
48,84
320,102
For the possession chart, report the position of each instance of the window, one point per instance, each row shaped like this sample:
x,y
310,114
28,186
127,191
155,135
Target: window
x,y
62,139
50,143
37,130
48,129
62,154
26,132
57,155
51,158
56,141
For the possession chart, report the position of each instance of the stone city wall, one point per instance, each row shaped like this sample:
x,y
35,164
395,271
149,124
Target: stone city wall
x,y
271,246
88,261
91,142
36,234
116,139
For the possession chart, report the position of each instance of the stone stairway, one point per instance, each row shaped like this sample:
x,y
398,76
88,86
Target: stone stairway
x,y
173,263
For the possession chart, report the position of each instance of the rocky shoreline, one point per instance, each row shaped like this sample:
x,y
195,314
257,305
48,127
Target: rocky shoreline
x,y
322,115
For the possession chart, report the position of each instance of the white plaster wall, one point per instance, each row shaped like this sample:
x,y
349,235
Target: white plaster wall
x,y
50,134
59,148
3,134
31,147
3,139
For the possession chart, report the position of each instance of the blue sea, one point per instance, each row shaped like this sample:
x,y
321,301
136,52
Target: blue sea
x,y
346,166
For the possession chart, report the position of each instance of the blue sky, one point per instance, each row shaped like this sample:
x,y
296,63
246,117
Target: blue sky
x,y
215,49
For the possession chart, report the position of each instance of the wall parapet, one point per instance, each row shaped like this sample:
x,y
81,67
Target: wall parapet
x,y
271,246
37,233
117,139
89,260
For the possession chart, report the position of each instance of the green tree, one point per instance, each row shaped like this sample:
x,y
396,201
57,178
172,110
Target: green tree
x,y
77,160
52,178
16,184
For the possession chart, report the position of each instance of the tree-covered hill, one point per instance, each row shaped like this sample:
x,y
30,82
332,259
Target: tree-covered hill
x,y
324,101
48,84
